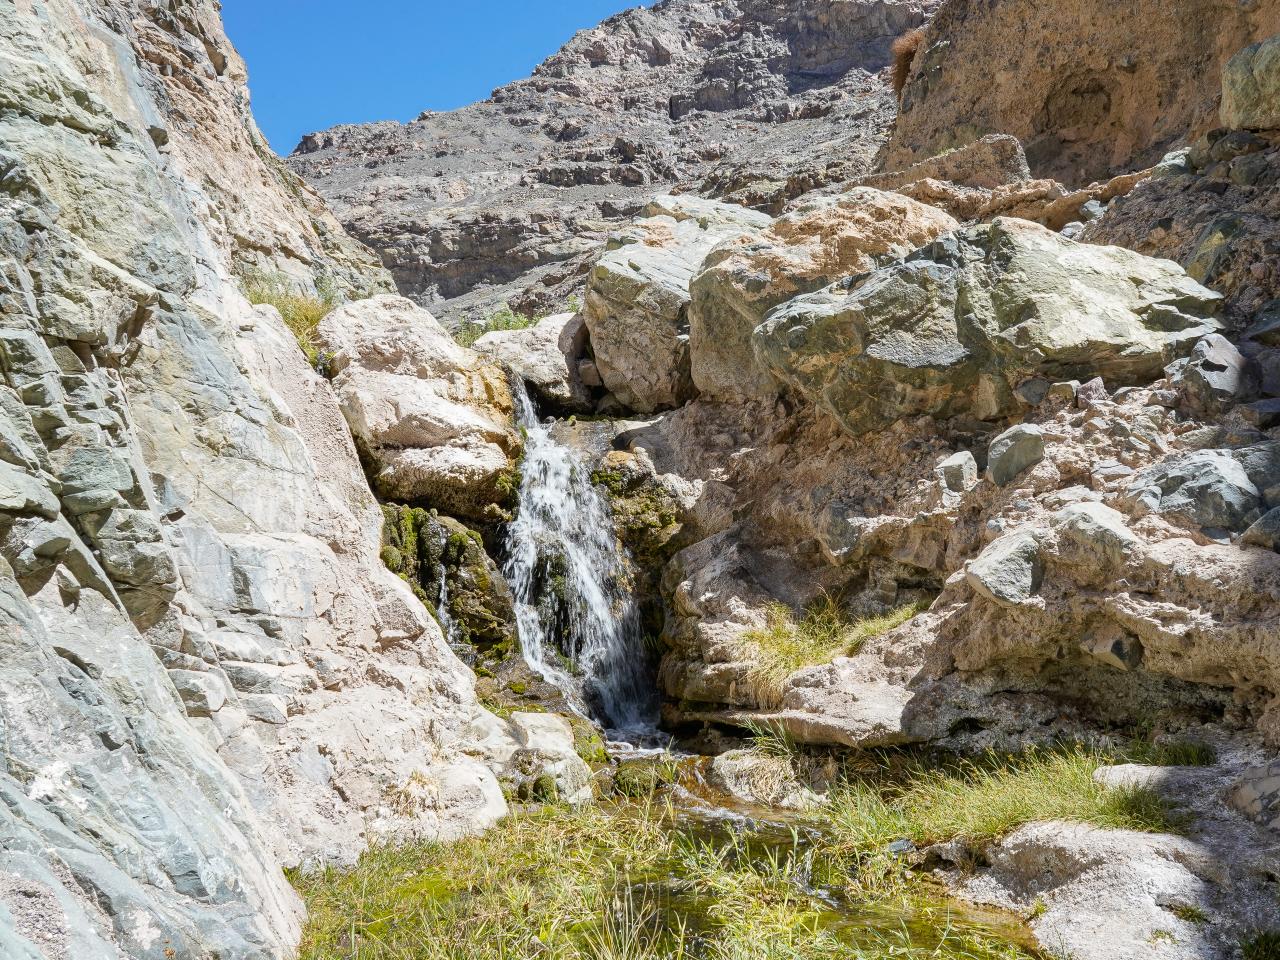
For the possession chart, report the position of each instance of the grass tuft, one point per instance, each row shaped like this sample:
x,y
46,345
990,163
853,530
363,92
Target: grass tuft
x,y
786,644
904,51
981,801
1264,945
1172,753
502,319
302,311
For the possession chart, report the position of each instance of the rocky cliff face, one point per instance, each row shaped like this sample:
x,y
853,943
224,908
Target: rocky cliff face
x,y
1091,88
753,100
207,672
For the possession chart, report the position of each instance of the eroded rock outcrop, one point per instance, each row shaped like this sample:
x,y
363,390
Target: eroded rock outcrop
x,y
957,327
1090,88
200,639
434,418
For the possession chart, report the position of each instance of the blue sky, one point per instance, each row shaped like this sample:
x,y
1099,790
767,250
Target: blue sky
x,y
315,63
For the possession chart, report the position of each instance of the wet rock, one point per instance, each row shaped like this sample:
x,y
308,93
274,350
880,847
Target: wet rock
x,y
1251,87
952,329
546,357
1013,452
750,776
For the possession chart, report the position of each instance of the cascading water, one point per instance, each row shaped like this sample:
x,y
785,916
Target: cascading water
x,y
579,625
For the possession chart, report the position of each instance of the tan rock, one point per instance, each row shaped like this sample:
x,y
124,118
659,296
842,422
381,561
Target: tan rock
x,y
819,241
1091,88
435,417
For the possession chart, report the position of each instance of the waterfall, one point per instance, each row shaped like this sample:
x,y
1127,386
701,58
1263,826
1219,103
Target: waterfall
x,y
578,623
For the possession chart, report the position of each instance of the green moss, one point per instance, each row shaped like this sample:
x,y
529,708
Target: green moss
x,y
642,777
392,559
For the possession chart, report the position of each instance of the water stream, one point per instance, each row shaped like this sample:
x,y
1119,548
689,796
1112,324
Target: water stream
x,y
578,622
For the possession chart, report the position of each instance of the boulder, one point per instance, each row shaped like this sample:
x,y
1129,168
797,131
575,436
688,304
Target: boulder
x,y
638,297
818,242
1251,87
1008,571
953,328
1209,488
1214,378
958,473
1264,532
434,418
1016,450
545,356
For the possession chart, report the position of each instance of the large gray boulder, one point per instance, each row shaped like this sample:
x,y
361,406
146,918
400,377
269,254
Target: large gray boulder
x,y
638,298
812,245
956,326
545,356
1209,488
1251,87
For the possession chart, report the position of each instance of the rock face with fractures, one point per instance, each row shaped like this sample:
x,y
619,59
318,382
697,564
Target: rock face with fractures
x,y
1089,87
207,672
817,242
957,326
434,418
512,198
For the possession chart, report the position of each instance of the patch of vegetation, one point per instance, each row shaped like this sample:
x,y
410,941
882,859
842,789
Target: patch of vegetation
x,y
904,51
618,882
302,311
504,318
785,644
982,801
1171,753
1263,945
1189,913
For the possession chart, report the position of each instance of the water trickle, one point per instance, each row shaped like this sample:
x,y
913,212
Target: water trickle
x,y
444,617
578,622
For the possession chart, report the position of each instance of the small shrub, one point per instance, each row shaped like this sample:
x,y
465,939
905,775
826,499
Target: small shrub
x,y
1189,913
502,319
786,644
904,54
301,311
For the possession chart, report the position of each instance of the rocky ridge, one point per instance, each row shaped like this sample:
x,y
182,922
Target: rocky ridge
x,y
510,199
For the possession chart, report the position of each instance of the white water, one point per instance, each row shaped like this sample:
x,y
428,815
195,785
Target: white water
x,y
578,623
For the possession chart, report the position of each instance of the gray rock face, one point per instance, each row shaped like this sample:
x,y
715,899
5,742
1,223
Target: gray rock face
x,y
638,299
1016,450
956,326
1209,488
1214,378
1251,87
509,199
205,671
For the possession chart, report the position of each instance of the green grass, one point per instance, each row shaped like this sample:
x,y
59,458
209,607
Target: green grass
x,y
1173,753
302,311
502,319
1264,945
786,644
605,883
980,802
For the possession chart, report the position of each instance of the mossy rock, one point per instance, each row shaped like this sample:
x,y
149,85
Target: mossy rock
x,y
541,789
642,777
